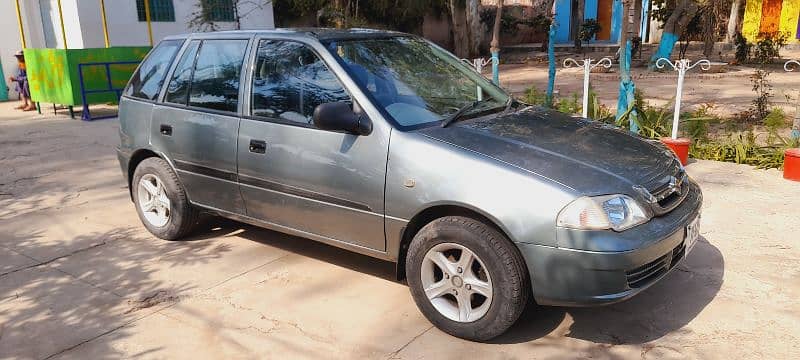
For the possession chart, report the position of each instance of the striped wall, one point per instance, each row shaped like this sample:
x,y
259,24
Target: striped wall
x,y
762,16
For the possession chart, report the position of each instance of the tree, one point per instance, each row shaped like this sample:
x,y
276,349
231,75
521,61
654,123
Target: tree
x,y
627,88
733,20
684,12
201,18
577,22
458,21
550,14
474,26
495,46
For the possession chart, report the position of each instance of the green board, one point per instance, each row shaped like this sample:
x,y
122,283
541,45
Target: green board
x,y
53,73
3,89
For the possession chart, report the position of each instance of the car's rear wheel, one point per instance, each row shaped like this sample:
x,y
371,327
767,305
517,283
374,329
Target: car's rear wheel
x,y
161,201
466,277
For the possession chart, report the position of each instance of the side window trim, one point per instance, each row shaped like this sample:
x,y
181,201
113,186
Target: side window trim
x,y
247,113
170,73
191,73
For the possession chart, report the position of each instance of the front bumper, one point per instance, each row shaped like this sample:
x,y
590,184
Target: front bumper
x,y
566,276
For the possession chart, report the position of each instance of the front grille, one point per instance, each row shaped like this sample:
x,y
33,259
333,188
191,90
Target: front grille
x,y
667,196
647,273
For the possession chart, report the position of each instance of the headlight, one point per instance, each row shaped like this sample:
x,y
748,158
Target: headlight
x,y
617,212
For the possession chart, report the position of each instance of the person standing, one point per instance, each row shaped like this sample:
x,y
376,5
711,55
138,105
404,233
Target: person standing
x,y
22,84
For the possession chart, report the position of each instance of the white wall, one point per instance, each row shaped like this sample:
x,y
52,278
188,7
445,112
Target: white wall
x,y
10,40
125,29
82,23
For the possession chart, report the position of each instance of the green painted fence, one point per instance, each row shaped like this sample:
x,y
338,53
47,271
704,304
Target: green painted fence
x,y
3,85
53,73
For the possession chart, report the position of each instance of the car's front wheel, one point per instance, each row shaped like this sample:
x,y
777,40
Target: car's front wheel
x,y
161,201
466,277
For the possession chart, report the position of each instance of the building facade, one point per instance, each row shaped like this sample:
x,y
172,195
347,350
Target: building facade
x,y
608,14
125,19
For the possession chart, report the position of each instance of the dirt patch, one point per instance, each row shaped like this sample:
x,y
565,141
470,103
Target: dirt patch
x,y
157,298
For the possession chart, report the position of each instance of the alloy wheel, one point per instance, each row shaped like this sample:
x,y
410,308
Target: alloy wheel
x,y
153,200
456,282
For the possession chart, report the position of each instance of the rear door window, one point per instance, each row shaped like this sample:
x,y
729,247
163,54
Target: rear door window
x,y
216,77
146,82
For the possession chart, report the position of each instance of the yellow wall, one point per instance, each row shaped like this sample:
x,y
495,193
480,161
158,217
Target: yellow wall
x,y
752,19
789,16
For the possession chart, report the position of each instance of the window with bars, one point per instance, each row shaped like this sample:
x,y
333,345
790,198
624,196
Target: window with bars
x,y
160,10
219,10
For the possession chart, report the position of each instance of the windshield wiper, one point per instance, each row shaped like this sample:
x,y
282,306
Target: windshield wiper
x,y
461,112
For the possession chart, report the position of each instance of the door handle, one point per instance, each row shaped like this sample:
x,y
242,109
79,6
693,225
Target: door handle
x,y
166,130
258,146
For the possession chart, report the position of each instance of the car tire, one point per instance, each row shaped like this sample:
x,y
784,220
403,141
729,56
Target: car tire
x,y
163,206
499,265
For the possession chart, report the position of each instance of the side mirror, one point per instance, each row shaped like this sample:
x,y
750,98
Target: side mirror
x,y
339,116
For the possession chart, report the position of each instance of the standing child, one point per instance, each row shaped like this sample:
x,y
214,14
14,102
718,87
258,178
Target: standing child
x,y
22,84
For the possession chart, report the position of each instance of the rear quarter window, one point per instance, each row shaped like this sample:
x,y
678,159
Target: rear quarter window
x,y
147,81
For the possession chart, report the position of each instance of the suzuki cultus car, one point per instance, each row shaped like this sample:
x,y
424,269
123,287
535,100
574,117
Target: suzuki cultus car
x,y
387,145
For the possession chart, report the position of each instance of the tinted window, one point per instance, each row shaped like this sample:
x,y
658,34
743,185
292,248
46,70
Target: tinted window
x,y
178,88
289,81
146,82
215,83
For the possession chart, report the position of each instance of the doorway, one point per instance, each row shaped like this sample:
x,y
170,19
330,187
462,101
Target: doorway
x,y
604,11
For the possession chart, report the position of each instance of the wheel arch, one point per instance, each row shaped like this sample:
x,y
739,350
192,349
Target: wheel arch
x,y
431,213
136,158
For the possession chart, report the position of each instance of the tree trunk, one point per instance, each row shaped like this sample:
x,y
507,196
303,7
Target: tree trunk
x,y
627,88
475,27
577,21
709,34
498,17
458,18
733,20
673,28
550,15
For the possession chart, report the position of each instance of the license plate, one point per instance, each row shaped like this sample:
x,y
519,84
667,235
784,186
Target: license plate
x,y
692,233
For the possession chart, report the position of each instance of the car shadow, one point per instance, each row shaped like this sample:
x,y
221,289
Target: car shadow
x,y
213,226
664,308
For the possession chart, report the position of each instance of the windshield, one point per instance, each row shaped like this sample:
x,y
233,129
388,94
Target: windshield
x,y
415,82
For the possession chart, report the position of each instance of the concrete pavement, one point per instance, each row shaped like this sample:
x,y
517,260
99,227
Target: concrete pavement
x,y
80,278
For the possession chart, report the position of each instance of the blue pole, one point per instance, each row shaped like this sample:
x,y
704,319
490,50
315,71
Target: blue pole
x,y
551,57
626,88
496,67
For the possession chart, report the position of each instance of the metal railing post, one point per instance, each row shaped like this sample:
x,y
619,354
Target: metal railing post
x,y
796,121
682,66
587,69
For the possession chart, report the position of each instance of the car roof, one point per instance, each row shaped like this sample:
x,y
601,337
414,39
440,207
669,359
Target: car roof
x,y
316,33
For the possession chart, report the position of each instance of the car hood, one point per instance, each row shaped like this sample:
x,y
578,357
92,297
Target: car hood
x,y
589,157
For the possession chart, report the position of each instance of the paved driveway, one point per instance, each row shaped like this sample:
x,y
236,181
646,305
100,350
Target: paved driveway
x,y
80,278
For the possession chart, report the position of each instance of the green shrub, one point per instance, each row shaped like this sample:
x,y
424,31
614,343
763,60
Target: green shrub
x,y
775,119
742,48
598,111
534,96
569,105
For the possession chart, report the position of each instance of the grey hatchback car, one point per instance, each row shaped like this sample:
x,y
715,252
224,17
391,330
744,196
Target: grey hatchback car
x,y
385,144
